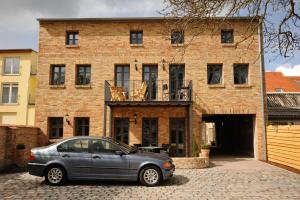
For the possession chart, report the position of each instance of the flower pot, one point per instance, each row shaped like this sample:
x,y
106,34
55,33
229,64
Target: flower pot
x,y
21,160
205,153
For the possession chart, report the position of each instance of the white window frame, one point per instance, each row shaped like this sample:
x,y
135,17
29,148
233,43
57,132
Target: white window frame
x,y
10,85
11,67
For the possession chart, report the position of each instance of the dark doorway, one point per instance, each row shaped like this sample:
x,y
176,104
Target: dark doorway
x,y
234,134
176,77
177,133
150,76
122,130
150,130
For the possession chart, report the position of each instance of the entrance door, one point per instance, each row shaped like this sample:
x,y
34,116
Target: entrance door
x,y
122,73
177,130
150,129
176,77
150,76
122,129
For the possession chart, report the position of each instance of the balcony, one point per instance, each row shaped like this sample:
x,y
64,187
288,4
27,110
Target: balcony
x,y
148,93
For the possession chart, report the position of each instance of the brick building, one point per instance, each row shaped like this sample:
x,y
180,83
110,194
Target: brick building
x,y
128,78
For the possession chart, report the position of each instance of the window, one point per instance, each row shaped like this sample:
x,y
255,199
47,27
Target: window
x,y
83,75
227,36
82,126
136,37
214,74
75,146
103,146
177,37
279,90
11,65
72,38
122,130
57,74
56,127
241,73
10,93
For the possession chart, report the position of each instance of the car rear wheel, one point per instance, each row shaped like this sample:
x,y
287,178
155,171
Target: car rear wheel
x,y
55,175
150,176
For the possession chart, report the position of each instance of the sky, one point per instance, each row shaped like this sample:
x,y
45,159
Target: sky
x,y
19,27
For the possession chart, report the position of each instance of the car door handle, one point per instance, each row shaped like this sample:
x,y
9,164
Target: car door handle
x,y
96,157
66,156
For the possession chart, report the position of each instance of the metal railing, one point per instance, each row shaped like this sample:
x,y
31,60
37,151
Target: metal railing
x,y
157,90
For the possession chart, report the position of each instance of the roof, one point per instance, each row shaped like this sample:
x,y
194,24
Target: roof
x,y
16,50
125,19
275,80
283,105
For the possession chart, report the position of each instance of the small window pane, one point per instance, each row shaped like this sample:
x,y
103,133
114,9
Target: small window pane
x,y
5,93
11,65
57,75
227,36
14,94
241,73
72,38
83,74
214,74
177,37
136,37
82,126
56,127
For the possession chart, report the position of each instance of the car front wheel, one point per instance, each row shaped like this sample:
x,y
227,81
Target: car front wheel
x,y
55,175
150,176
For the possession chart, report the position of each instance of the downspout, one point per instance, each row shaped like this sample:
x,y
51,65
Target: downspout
x,y
262,75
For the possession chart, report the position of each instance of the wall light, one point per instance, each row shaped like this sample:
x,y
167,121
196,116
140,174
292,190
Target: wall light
x,y
67,118
135,64
163,64
135,118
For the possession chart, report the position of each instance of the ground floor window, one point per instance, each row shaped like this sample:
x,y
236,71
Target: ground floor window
x,y
177,134
150,132
82,126
56,127
122,130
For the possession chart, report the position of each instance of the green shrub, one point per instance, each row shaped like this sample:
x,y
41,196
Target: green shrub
x,y
205,146
21,146
195,148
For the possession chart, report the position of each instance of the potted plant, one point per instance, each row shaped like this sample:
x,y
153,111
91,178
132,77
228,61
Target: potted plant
x,y
205,148
21,155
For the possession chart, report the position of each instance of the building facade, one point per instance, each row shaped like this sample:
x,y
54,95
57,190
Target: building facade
x,y
18,84
144,83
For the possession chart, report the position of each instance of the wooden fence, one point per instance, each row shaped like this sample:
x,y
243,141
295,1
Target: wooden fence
x,y
283,145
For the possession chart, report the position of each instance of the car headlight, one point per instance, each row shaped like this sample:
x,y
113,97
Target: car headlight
x,y
166,165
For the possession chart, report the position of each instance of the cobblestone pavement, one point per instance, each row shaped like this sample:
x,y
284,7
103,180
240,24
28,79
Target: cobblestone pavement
x,y
253,180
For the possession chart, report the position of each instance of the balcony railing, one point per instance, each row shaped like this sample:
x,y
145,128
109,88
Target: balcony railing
x,y
148,91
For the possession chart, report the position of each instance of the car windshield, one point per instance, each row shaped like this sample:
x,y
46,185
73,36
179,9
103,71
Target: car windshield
x,y
125,147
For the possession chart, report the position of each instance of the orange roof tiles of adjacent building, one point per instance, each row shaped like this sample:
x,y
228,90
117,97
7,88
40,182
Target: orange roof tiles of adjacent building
x,y
277,82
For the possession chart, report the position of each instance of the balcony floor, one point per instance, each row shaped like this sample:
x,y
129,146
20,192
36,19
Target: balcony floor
x,y
148,103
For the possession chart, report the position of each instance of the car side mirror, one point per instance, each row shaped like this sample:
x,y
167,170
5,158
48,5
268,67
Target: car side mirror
x,y
120,153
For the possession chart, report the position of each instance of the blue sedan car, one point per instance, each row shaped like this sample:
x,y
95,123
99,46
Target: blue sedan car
x,y
93,158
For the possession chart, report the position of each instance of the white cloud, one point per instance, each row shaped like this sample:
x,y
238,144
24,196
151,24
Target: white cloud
x,y
289,70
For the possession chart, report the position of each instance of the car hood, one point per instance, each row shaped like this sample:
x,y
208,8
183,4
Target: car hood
x,y
150,155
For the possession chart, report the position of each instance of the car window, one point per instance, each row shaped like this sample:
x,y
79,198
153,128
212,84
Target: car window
x,y
103,146
75,146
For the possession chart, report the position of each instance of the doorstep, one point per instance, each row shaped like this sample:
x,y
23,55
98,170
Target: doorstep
x,y
191,162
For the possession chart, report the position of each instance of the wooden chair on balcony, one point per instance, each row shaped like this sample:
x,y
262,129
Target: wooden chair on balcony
x,y
140,95
117,93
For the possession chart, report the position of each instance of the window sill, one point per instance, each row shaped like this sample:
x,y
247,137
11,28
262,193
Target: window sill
x,y
216,86
136,45
11,74
72,46
243,86
83,86
232,45
177,45
57,86
9,104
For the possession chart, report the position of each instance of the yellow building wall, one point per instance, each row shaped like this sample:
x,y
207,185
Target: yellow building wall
x,y
283,145
21,112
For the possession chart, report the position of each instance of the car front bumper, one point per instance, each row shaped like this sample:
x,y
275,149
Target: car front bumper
x,y
167,173
36,169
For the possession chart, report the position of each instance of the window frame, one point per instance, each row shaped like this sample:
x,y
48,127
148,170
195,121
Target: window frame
x,y
60,66
58,127
226,31
74,41
12,66
176,41
137,41
247,82
77,126
84,66
10,86
215,65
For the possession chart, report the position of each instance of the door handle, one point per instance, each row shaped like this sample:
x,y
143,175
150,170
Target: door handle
x,y
96,157
66,156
